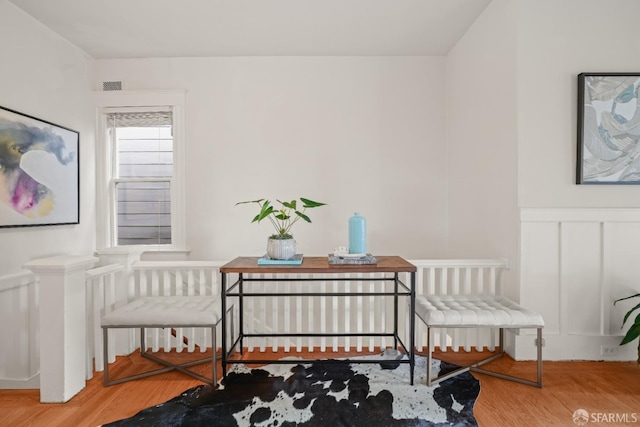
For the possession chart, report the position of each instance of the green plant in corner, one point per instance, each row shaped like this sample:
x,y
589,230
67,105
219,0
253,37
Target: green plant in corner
x,y
634,329
282,218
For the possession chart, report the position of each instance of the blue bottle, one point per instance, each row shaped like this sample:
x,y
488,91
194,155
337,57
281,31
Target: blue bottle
x,y
357,234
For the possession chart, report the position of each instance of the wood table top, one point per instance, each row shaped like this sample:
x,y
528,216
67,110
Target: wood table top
x,y
386,264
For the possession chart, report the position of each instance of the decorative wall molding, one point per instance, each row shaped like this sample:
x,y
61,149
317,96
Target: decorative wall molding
x,y
20,351
574,263
580,214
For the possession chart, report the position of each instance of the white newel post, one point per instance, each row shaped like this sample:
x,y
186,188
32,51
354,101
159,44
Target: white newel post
x,y
62,325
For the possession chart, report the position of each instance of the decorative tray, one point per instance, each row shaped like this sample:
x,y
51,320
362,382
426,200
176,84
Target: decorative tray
x,y
350,259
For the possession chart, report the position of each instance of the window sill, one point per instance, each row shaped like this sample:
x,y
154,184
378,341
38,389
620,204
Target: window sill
x,y
165,249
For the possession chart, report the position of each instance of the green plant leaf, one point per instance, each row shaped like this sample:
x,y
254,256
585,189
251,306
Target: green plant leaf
x,y
290,205
632,333
622,299
626,316
281,219
249,201
303,216
265,212
310,203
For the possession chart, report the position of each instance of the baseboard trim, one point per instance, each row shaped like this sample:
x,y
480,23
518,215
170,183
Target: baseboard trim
x,y
11,384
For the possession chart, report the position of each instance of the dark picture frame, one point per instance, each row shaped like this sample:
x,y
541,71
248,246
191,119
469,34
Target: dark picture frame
x,y
39,172
608,128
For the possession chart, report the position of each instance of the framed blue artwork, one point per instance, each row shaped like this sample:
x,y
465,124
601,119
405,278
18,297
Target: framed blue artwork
x,y
608,128
39,172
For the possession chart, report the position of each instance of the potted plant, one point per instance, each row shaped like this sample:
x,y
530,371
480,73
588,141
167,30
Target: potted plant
x,y
282,245
634,329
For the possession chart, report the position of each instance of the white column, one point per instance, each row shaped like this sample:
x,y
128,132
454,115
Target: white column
x,y
62,325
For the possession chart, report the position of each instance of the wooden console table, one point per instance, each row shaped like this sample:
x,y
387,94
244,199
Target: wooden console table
x,y
321,270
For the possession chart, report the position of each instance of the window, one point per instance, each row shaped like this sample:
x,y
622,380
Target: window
x,y
141,180
141,199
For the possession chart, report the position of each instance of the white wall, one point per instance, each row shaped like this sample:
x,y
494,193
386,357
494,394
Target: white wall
x,y
557,40
368,134
575,261
511,123
481,140
362,134
46,77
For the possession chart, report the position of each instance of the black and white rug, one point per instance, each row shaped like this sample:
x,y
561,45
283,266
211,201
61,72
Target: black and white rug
x,y
320,395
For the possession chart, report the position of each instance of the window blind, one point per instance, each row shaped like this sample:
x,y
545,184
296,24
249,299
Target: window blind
x,y
139,119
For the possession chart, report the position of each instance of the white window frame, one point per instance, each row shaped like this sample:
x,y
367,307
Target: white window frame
x,y
105,201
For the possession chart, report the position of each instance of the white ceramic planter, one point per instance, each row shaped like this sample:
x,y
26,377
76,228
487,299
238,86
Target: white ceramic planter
x,y
281,249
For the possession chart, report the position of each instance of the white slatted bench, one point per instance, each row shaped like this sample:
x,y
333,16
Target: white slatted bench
x,y
164,312
478,311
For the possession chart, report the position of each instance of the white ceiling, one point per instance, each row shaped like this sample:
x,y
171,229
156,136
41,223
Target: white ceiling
x,y
182,28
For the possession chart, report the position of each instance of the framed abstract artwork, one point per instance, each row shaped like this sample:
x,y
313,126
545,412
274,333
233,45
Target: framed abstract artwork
x,y
39,172
608,128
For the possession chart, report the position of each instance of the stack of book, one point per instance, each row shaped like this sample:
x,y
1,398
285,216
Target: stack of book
x,y
265,260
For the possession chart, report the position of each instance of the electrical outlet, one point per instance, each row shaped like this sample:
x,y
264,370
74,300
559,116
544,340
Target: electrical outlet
x,y
535,342
608,350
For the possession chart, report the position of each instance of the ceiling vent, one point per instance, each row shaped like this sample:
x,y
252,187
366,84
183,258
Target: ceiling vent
x,y
112,85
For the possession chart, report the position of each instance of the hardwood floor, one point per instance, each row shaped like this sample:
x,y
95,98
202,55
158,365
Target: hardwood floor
x,y
608,391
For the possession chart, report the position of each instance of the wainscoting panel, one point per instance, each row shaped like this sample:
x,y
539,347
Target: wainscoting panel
x,y
622,272
540,269
575,263
20,348
581,277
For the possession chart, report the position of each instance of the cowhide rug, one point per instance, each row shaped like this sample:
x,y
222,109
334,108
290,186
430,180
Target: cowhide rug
x,y
320,395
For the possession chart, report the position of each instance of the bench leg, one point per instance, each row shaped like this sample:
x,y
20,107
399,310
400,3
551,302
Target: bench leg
x,y
168,365
539,355
475,367
429,356
537,383
105,355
